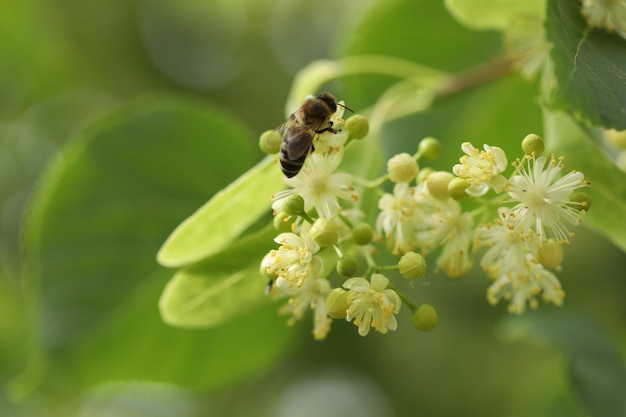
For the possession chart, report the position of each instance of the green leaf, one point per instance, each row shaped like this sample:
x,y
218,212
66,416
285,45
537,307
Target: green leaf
x,y
596,369
589,67
92,231
223,286
493,14
566,137
26,145
223,218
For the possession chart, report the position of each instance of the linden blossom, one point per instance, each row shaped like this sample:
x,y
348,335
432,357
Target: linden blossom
x,y
312,295
544,198
320,186
610,15
294,262
481,169
371,304
397,218
520,289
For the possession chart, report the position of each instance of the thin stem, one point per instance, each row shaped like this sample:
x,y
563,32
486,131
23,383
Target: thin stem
x,y
475,77
375,183
403,297
393,267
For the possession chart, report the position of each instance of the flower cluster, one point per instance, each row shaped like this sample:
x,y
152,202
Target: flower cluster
x,y
317,208
325,260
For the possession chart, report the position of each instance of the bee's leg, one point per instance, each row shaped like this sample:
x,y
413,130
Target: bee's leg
x,y
328,129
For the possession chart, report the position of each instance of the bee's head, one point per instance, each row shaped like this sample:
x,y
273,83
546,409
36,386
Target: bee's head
x,y
331,101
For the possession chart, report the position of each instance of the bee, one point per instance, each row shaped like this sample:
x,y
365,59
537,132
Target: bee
x,y
299,130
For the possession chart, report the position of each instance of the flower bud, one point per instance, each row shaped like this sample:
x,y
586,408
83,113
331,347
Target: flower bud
x,y
347,266
423,174
412,265
402,168
532,144
337,303
429,148
362,234
270,142
294,205
357,126
425,318
581,201
283,222
457,187
325,232
437,183
551,254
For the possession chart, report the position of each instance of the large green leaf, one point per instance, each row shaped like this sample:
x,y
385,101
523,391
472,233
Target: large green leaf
x,y
589,67
596,370
26,145
565,136
95,226
220,287
217,223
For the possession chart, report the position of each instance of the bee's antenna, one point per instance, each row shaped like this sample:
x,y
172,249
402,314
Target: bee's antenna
x,y
347,108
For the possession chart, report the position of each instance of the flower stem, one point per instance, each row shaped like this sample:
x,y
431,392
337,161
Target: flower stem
x,y
403,297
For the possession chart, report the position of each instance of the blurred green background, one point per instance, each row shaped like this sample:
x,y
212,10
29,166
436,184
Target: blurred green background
x,y
119,119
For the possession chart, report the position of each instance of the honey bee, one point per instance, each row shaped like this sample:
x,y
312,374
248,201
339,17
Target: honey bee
x,y
299,130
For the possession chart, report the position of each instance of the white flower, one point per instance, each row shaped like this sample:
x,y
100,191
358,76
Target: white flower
x,y
508,245
443,224
455,259
371,305
609,14
294,262
319,185
522,288
481,169
397,218
310,295
543,198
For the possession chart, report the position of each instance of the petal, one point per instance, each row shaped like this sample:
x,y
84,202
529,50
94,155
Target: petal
x,y
478,190
379,282
357,282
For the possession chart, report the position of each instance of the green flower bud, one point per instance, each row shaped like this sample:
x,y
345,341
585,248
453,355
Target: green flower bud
x,y
362,234
294,206
325,232
532,143
270,142
347,266
551,254
425,318
424,173
357,126
402,168
429,148
283,222
582,200
437,183
412,265
337,303
457,187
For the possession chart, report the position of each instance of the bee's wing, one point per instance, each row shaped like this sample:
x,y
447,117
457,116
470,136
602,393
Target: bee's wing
x,y
298,141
